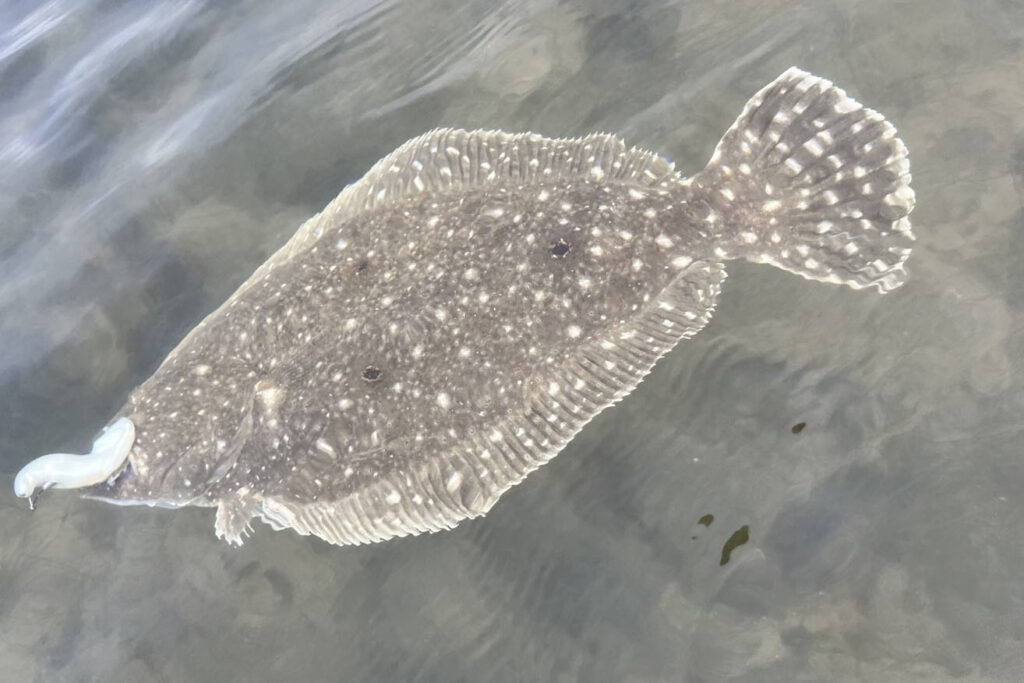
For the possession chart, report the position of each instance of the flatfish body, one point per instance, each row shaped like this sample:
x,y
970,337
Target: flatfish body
x,y
449,322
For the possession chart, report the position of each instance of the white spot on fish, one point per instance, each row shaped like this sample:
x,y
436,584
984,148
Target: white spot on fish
x,y
814,147
680,262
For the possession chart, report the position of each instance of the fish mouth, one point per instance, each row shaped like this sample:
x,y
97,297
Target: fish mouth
x,y
127,488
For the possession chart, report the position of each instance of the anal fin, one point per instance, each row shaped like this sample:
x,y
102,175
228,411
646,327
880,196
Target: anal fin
x,y
465,482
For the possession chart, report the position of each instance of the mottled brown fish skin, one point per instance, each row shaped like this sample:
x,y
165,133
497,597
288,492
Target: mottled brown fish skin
x,y
454,298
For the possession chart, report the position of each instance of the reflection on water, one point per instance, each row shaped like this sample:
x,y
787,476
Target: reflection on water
x,y
824,485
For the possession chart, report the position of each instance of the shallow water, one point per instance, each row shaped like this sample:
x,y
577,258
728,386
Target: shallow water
x,y
153,154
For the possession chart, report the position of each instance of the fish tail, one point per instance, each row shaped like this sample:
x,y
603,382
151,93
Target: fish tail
x,y
812,182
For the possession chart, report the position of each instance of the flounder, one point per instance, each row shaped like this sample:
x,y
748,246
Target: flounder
x,y
448,323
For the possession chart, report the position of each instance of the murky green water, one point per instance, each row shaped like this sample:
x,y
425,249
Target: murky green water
x,y
153,154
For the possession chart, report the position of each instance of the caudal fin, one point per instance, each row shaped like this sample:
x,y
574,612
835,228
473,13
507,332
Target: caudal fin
x,y
809,180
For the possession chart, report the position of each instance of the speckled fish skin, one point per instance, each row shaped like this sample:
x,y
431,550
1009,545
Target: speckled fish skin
x,y
450,322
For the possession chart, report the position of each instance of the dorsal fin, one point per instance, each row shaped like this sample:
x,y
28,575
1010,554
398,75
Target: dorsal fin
x,y
449,158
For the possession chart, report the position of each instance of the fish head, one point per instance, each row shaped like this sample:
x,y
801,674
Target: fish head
x,y
182,447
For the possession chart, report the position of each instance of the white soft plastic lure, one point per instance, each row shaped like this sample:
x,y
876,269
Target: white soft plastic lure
x,y
68,471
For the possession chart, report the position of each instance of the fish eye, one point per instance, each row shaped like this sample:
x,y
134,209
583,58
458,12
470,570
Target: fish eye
x,y
372,373
560,248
